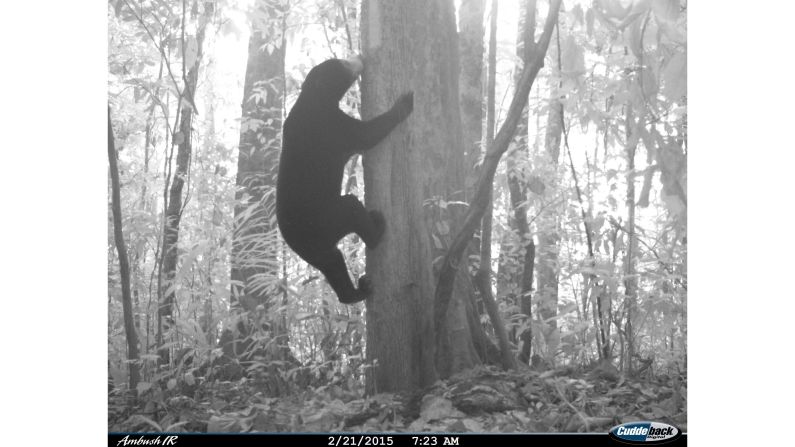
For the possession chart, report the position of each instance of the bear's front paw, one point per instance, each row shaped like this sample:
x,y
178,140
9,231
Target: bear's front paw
x,y
365,287
405,105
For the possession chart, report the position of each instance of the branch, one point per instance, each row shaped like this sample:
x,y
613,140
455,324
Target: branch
x,y
583,213
341,5
477,208
157,45
162,52
328,40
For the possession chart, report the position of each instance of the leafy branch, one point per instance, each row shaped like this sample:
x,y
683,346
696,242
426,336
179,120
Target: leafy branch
x,y
160,48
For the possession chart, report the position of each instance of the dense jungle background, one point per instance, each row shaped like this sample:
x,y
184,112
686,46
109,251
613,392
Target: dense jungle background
x,y
534,272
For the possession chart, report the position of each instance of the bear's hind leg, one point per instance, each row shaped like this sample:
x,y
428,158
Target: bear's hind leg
x,y
332,265
369,225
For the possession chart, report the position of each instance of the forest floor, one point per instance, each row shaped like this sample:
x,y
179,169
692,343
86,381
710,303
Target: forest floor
x,y
482,400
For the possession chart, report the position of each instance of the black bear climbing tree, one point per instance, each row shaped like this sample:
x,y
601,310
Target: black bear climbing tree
x,y
310,194
318,141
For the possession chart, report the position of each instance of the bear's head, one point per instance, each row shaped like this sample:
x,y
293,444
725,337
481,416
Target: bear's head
x,y
328,82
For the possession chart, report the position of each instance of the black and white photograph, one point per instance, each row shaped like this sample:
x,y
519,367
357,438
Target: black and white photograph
x,y
431,219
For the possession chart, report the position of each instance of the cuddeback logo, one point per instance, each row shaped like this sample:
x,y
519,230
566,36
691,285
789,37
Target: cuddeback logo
x,y
645,433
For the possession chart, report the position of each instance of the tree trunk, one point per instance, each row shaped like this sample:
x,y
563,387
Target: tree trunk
x,y
471,49
548,222
410,45
443,293
173,212
516,185
484,271
630,278
255,248
124,264
470,43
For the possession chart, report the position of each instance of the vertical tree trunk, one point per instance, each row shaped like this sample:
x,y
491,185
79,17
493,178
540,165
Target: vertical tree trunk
x,y
630,279
173,212
524,49
471,49
484,272
124,265
255,249
443,293
470,43
255,246
491,91
548,222
409,45
144,205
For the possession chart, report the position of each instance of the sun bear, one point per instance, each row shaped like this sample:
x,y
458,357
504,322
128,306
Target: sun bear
x,y
318,140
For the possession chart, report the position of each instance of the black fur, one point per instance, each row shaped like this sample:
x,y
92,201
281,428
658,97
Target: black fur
x,y
318,141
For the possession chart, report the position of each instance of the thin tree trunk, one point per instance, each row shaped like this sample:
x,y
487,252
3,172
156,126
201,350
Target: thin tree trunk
x,y
548,222
524,49
148,137
444,288
146,206
124,265
449,182
471,49
630,279
173,213
484,272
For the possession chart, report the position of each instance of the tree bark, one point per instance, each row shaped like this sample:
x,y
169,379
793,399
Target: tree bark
x,y
124,264
410,45
470,81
